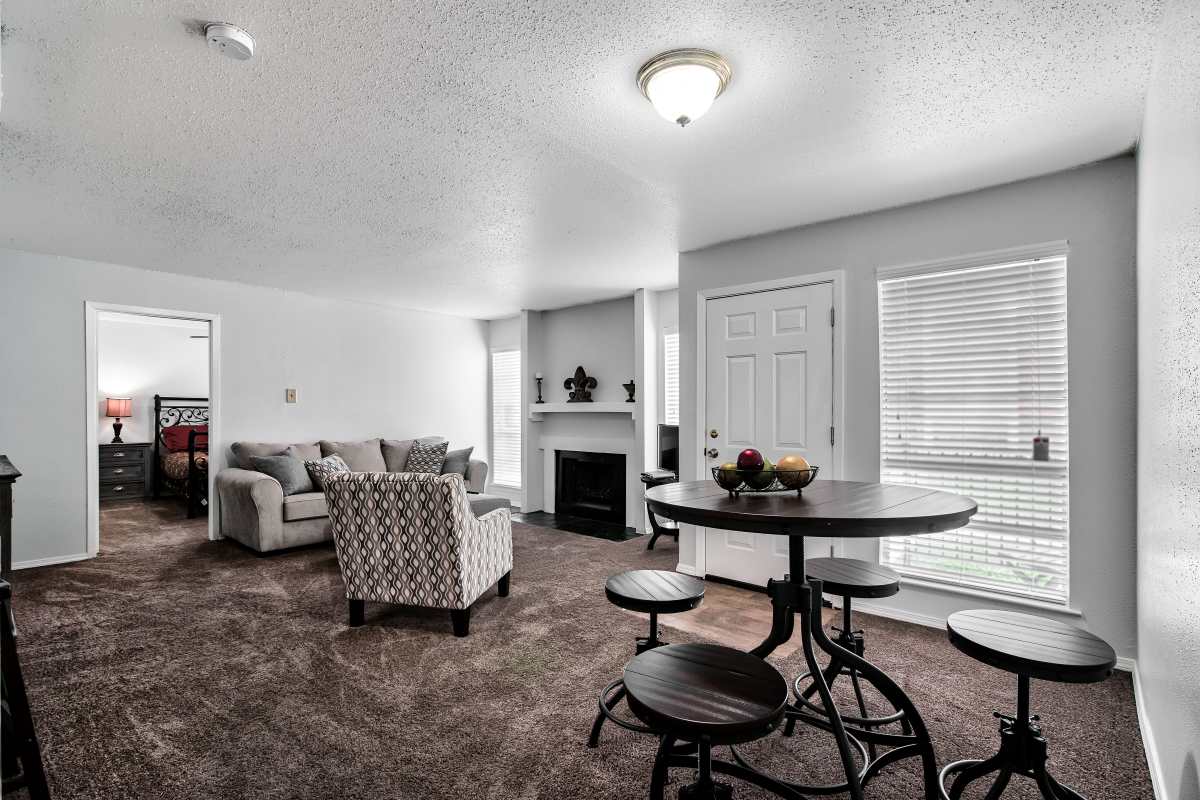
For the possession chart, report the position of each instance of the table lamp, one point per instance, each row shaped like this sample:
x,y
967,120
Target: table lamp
x,y
117,407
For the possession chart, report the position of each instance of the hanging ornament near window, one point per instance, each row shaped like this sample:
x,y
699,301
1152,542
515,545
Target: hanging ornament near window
x,y
1041,447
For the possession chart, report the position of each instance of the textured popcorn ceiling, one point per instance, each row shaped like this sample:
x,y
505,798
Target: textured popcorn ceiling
x,y
482,157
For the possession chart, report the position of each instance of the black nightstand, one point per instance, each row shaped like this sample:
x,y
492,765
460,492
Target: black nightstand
x,y
124,470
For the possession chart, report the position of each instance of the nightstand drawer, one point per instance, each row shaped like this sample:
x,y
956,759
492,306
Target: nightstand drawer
x,y
122,455
109,491
119,471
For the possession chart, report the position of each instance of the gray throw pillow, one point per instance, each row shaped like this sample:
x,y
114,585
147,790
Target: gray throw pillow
x,y
457,461
319,470
427,457
304,452
289,471
364,456
395,453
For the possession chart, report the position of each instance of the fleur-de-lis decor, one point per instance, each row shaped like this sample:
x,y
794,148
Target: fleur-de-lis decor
x,y
580,387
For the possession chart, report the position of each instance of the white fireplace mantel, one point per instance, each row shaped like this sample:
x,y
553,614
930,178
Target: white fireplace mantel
x,y
536,410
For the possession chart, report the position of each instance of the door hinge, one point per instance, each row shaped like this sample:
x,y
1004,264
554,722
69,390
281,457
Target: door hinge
x,y
831,434
832,313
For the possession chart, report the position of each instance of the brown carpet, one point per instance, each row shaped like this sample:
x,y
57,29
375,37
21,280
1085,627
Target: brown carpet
x,y
174,667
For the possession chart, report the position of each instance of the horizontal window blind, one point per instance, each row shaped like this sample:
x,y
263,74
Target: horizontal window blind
x,y
973,365
671,378
506,418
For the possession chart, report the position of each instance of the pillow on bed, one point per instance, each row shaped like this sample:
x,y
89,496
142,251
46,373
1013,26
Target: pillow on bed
x,y
289,471
176,437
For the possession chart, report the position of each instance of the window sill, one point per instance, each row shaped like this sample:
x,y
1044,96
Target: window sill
x,y
995,597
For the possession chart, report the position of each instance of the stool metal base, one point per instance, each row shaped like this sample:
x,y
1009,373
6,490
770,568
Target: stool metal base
x,y
1022,752
614,693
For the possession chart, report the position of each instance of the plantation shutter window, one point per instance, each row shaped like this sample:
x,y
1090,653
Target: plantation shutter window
x,y
671,378
506,418
973,367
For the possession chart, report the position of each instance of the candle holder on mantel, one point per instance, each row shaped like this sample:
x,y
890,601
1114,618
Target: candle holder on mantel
x,y
630,387
580,387
538,378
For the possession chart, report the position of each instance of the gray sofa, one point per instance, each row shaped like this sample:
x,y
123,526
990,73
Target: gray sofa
x,y
255,511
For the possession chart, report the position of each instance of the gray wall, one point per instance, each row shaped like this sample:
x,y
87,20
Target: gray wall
x,y
1094,208
361,370
1169,409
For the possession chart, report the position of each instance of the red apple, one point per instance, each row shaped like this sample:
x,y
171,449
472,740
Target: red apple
x,y
750,460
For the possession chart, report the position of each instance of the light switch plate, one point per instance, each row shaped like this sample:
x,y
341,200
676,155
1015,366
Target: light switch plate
x,y
291,396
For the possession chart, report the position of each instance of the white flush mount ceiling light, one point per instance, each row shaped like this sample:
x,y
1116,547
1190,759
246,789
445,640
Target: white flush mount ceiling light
x,y
682,84
229,40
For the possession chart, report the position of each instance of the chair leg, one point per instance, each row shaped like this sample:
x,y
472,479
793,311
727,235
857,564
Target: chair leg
x,y
461,619
358,612
502,586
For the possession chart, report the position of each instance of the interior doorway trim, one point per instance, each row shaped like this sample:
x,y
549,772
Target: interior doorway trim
x,y
837,278
91,396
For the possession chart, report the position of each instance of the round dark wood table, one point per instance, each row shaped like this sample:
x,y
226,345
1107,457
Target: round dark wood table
x,y
847,509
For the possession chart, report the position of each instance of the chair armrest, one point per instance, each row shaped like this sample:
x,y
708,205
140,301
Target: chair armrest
x,y
485,552
476,477
251,508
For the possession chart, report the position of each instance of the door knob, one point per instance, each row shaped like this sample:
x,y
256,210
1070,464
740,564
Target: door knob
x,y
713,434
713,452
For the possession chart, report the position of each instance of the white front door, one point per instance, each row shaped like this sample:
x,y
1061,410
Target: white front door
x,y
769,381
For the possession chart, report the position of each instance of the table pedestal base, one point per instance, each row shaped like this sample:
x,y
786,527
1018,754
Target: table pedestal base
x,y
789,599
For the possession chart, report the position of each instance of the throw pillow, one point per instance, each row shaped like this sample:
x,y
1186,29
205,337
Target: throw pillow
x,y
176,437
289,471
395,453
458,461
426,457
304,452
364,456
328,465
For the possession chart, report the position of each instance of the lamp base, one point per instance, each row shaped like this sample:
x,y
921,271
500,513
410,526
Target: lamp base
x,y
117,433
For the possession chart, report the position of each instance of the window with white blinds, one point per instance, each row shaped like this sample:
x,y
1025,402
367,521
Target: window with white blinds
x,y
973,366
506,418
671,378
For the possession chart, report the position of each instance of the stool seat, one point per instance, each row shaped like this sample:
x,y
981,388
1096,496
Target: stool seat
x,y
852,577
656,591
706,692
1032,646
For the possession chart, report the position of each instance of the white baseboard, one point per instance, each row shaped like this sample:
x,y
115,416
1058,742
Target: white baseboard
x,y
900,614
50,561
688,569
1157,780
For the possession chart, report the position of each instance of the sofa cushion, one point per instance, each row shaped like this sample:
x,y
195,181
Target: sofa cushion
x,y
364,456
483,503
243,451
457,461
320,470
305,505
395,453
427,457
288,470
304,452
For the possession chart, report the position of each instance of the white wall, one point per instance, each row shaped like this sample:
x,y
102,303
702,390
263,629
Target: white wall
x,y
598,337
361,371
139,357
1169,409
1094,208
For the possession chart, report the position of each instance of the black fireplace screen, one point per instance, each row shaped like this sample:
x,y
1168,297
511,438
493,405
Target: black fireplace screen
x,y
590,485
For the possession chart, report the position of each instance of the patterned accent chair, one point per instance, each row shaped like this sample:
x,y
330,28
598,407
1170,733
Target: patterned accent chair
x,y
412,539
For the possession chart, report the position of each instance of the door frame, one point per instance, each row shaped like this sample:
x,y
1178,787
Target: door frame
x,y
837,278
91,393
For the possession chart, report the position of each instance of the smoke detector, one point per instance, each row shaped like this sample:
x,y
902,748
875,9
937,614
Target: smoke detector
x,y
229,40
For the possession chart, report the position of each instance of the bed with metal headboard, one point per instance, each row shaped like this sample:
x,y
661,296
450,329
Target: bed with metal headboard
x,y
181,450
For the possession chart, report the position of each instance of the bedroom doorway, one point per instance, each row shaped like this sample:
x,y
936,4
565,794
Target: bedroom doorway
x,y
151,413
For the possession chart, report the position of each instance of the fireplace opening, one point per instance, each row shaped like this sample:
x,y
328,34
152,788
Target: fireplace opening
x,y
590,485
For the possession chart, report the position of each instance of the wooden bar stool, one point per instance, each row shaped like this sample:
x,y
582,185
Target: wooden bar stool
x,y
1031,647
708,695
648,591
847,578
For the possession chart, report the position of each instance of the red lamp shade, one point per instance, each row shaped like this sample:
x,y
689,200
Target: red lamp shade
x,y
118,407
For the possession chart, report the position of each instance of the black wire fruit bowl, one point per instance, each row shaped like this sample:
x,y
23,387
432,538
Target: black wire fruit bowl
x,y
737,481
